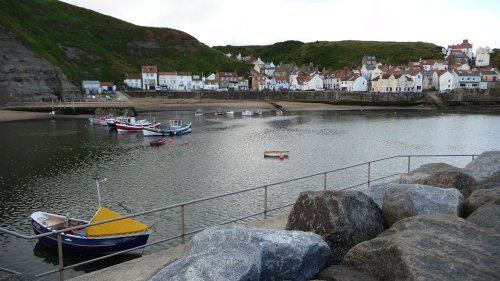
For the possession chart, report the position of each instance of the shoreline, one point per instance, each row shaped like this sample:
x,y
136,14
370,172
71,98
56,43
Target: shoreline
x,y
154,104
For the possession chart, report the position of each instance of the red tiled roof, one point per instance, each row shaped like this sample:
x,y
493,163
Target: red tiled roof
x,y
106,84
149,69
168,73
464,45
280,78
183,73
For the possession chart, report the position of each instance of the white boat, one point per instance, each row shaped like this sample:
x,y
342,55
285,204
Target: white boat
x,y
219,112
247,113
276,153
175,129
135,125
258,112
230,112
279,112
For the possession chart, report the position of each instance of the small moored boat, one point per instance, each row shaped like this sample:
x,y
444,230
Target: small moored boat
x,y
175,128
276,153
198,112
108,237
247,113
158,142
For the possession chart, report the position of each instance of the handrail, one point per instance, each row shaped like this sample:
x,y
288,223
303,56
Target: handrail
x,y
182,205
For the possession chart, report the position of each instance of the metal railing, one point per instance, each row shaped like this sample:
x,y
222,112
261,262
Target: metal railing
x,y
184,231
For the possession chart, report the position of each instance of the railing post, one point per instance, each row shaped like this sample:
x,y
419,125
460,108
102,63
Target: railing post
x,y
60,254
472,157
409,163
324,181
183,225
369,175
265,202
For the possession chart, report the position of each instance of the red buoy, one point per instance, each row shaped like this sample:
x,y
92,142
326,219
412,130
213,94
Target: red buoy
x,y
282,156
186,142
170,140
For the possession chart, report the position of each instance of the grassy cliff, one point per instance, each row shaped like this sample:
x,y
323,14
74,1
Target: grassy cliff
x,y
336,55
89,45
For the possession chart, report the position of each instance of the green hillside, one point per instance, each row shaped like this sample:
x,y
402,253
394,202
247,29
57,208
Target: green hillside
x,y
89,45
336,55
495,58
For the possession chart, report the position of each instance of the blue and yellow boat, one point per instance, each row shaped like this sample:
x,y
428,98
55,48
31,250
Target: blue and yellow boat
x,y
103,238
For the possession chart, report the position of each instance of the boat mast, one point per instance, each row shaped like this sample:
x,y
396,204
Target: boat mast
x,y
97,178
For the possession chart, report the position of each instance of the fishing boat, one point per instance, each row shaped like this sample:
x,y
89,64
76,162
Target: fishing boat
x,y
135,125
175,128
276,153
198,112
103,238
96,120
158,142
120,119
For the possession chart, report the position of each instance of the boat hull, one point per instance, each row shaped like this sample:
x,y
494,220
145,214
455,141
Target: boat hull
x,y
96,245
167,132
276,153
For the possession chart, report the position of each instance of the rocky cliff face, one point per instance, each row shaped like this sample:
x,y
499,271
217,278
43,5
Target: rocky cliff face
x,y
25,77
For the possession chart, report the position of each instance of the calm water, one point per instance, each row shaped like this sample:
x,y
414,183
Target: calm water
x,y
48,165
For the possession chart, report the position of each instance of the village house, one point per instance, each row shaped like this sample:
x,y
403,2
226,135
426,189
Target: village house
x,y
184,81
133,81
91,87
442,81
149,77
197,83
356,83
463,48
167,80
227,80
483,56
210,85
469,80
418,80
281,83
490,77
284,70
107,87
310,83
384,83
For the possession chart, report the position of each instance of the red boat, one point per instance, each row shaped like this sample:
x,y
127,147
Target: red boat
x,y
158,142
135,125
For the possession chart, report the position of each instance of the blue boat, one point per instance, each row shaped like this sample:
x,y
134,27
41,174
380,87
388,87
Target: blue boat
x,y
98,239
176,128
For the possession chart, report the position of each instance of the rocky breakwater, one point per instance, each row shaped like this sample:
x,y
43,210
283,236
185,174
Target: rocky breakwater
x,y
24,77
392,231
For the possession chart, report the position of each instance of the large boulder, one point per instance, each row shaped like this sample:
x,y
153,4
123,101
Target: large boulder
x,y
240,253
397,206
479,198
487,216
342,273
492,181
485,165
439,247
441,175
428,200
342,218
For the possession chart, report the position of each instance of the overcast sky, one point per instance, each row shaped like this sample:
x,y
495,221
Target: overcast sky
x,y
262,22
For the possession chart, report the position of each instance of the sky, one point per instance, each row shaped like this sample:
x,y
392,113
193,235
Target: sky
x,y
264,22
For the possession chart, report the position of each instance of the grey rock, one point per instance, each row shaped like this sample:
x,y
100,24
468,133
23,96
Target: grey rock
x,y
26,77
240,253
485,165
397,206
479,198
342,273
492,181
440,247
427,199
487,216
441,175
343,219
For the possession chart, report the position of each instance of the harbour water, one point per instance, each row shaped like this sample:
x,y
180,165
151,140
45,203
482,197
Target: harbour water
x,y
49,164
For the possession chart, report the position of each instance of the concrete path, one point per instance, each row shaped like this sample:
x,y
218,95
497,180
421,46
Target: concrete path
x,y
143,268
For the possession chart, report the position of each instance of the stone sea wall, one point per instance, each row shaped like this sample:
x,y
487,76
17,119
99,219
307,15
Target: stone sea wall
x,y
438,222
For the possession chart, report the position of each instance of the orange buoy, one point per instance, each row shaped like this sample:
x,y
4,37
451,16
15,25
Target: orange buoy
x,y
282,156
186,142
170,140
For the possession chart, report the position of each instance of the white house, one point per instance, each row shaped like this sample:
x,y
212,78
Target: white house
x,y
483,56
466,79
107,87
197,83
313,82
211,84
168,79
418,80
149,77
133,81
184,81
464,47
91,87
442,81
359,84
405,83
269,69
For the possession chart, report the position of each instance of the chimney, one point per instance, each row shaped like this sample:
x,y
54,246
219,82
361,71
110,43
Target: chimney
x,y
466,41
